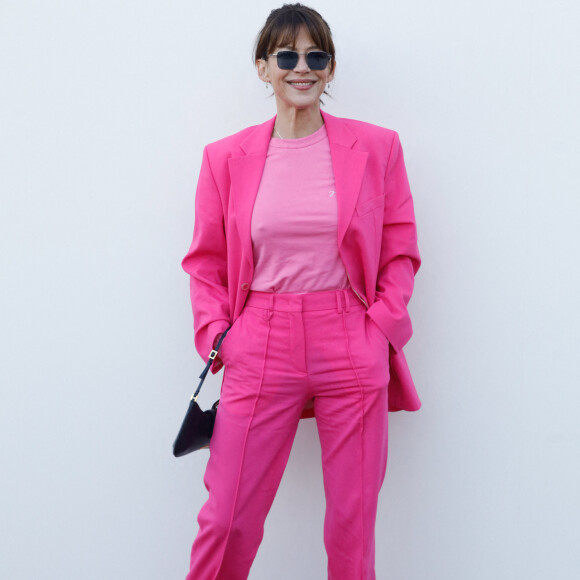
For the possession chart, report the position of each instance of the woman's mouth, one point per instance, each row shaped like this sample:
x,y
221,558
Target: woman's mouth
x,y
301,85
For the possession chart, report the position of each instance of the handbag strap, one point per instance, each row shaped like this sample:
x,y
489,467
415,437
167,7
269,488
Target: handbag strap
x,y
212,356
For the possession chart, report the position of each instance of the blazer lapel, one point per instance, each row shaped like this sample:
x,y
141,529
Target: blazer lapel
x,y
246,173
348,165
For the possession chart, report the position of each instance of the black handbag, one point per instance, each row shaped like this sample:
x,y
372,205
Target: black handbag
x,y
197,427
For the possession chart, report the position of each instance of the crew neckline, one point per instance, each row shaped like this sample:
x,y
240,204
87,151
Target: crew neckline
x,y
311,139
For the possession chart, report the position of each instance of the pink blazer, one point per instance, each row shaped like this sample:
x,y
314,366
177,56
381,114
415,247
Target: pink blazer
x,y
377,236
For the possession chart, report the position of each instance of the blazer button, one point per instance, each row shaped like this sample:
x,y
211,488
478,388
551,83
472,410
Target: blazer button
x,y
245,286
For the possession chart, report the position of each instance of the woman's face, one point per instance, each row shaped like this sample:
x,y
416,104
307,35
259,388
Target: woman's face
x,y
301,87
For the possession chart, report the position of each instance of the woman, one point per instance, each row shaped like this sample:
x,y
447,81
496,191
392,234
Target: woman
x,y
305,243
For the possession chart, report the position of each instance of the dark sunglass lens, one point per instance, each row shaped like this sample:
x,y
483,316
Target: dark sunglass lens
x,y
317,60
287,59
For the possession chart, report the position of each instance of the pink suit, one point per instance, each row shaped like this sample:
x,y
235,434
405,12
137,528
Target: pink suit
x,y
284,349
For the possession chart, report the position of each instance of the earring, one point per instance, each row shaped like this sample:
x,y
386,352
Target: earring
x,y
328,87
267,85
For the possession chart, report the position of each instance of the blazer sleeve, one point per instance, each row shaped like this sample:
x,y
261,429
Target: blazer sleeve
x,y
399,258
206,264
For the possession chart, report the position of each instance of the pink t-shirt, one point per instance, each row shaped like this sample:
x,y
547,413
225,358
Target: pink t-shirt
x,y
295,217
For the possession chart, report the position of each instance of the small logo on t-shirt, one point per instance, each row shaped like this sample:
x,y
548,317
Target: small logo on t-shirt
x,y
331,193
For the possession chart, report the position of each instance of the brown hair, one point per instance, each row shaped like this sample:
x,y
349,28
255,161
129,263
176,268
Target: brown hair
x,y
282,27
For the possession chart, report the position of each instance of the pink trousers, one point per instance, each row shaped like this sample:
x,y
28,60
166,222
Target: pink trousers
x,y
283,350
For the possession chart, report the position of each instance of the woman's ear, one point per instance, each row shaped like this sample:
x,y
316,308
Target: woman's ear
x,y
262,68
331,75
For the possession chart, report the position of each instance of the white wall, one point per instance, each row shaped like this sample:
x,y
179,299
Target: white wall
x,y
105,108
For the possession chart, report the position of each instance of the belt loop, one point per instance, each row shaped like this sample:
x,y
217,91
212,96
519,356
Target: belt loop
x,y
268,311
338,302
346,301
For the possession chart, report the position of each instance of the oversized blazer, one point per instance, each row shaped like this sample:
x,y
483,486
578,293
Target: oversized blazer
x,y
377,236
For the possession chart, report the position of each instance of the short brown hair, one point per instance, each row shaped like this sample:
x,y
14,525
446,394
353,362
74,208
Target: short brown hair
x,y
282,27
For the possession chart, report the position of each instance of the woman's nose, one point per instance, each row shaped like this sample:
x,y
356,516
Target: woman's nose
x,y
301,65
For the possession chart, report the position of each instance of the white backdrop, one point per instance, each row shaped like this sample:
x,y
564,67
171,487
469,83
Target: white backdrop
x,y
105,109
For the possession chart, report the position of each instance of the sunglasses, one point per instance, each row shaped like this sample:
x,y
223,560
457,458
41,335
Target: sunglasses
x,y
288,59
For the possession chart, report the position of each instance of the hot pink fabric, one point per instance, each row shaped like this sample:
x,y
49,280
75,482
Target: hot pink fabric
x,y
377,238
283,350
295,219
